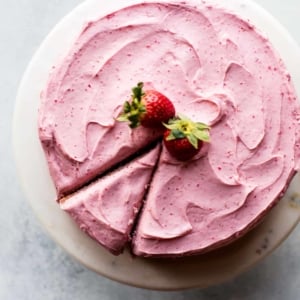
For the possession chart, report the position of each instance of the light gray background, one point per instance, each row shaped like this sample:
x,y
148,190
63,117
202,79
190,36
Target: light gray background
x,y
32,266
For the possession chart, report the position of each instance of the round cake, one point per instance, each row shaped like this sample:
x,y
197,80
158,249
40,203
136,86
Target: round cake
x,y
217,69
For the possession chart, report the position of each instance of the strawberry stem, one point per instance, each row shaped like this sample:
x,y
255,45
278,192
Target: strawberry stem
x,y
137,91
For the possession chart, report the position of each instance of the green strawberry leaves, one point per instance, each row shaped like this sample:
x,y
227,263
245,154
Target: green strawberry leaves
x,y
133,110
182,127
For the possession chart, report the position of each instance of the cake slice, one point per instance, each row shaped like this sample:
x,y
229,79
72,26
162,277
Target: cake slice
x,y
96,149
106,209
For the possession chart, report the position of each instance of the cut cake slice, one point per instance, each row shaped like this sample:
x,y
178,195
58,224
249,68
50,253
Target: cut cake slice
x,y
188,210
106,209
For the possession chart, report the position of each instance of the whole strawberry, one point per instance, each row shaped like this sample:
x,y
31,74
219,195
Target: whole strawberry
x,y
184,138
149,108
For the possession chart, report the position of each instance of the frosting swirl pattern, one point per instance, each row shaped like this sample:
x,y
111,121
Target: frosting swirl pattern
x,y
107,208
216,68
240,86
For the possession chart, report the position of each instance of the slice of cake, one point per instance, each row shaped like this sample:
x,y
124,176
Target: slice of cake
x,y
190,209
106,209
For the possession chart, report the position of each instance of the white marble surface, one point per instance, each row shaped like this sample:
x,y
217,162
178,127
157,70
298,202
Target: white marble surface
x,y
32,266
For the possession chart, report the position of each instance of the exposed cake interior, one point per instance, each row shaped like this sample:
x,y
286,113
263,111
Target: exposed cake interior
x,y
106,209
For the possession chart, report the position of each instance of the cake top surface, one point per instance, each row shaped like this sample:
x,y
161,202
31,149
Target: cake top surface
x,y
216,68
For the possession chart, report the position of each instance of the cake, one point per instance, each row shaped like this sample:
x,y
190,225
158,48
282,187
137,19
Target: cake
x,y
217,69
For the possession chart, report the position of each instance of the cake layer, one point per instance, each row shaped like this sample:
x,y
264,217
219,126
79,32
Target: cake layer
x,y
106,209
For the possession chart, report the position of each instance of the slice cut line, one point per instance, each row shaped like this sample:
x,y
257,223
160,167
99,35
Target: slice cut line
x,y
107,208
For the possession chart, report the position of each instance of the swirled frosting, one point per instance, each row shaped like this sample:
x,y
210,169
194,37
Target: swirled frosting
x,y
227,74
106,209
217,69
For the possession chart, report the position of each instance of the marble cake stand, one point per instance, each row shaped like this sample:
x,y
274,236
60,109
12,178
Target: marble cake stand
x,y
163,274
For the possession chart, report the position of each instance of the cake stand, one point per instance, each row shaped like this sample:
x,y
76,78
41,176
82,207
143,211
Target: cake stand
x,y
162,274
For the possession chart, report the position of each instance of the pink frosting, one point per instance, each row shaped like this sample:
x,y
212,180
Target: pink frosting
x,y
216,68
233,80
107,208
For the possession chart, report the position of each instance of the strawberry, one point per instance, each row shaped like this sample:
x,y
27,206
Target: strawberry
x,y
184,138
149,109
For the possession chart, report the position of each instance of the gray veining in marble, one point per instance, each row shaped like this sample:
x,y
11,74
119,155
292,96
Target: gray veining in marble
x,y
32,266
